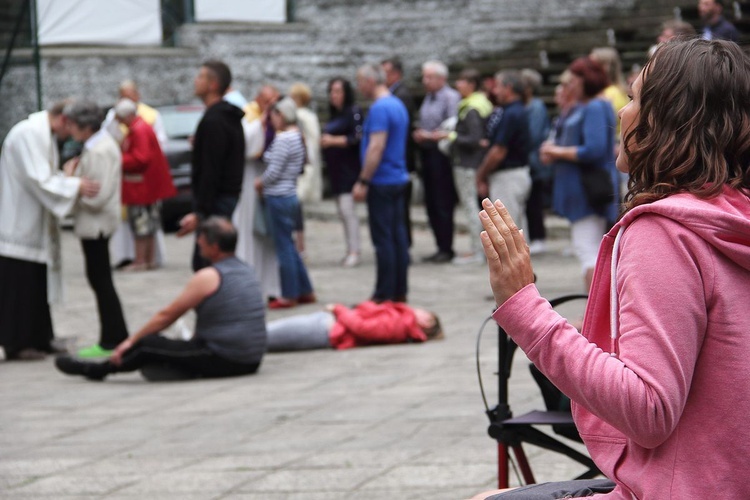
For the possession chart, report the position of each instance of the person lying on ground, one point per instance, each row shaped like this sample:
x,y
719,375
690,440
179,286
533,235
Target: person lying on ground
x,y
340,327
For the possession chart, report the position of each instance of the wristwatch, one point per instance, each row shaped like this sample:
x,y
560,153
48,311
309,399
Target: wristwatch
x,y
363,181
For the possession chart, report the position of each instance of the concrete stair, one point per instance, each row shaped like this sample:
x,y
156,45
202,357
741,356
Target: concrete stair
x,y
631,34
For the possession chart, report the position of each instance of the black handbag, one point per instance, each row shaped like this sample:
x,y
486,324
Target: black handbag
x,y
597,186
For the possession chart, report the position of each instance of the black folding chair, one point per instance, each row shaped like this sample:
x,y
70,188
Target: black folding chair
x,y
511,432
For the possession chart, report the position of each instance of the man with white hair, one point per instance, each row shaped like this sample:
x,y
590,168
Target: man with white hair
x,y
145,182
122,245
128,89
382,182
440,103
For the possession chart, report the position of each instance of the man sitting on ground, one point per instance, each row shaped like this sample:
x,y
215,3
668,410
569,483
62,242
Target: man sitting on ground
x,y
230,331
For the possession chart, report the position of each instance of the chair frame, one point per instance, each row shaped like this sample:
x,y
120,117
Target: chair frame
x,y
510,433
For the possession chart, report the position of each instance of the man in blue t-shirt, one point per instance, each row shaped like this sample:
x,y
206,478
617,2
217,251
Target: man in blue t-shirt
x,y
504,173
382,182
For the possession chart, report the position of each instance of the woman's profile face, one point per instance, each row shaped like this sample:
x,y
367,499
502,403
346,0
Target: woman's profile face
x,y
628,119
574,88
424,318
337,95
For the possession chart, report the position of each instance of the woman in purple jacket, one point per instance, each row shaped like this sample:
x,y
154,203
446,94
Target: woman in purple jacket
x,y
659,375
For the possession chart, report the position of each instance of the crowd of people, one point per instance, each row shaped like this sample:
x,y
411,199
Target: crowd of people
x,y
256,162
660,350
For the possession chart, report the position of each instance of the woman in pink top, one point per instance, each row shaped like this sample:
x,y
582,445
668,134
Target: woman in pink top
x,y
660,374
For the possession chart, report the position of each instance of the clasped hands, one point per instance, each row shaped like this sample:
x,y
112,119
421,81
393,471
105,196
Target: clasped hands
x,y
506,251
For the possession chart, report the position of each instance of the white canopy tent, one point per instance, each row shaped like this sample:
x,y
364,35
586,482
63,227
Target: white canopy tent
x,y
97,22
268,11
136,22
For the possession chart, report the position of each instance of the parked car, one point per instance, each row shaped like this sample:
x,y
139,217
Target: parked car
x,y
180,122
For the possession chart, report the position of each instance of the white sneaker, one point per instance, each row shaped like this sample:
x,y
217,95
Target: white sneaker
x,y
472,258
537,246
351,260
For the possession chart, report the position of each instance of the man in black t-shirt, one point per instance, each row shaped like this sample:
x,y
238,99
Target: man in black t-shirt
x,y
504,173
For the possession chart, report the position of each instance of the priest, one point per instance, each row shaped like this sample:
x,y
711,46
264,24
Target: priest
x,y
34,194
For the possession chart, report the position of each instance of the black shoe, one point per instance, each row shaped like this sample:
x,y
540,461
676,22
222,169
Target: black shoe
x,y
439,258
123,263
70,366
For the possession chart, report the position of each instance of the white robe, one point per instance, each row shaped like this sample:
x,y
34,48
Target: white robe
x,y
256,251
33,195
310,183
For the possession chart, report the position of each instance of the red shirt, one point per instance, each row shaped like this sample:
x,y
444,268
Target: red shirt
x,y
146,178
370,323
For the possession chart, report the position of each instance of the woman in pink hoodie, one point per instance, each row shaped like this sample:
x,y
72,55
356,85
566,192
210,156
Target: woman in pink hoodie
x,y
660,374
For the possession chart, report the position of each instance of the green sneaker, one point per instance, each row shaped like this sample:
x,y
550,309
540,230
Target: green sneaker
x,y
94,351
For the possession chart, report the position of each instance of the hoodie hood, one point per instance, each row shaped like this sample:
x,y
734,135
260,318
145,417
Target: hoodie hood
x,y
723,221
228,110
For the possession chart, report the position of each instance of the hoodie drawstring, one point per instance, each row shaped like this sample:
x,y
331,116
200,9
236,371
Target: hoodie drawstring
x,y
613,305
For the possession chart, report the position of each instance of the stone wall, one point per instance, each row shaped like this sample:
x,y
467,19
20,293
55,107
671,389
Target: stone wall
x,y
328,38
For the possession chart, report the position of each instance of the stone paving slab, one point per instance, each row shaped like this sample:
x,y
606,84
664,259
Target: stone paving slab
x,y
389,422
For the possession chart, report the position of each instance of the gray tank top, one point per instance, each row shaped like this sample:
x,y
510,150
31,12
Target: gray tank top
x,y
232,321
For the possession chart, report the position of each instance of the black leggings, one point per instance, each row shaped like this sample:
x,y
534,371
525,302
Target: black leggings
x,y
189,356
112,329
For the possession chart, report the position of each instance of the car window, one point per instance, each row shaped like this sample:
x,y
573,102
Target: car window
x,y
180,122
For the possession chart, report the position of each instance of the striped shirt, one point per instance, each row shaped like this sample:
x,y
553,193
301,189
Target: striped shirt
x,y
285,159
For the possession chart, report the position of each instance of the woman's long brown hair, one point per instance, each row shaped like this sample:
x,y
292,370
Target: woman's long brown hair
x,y
693,132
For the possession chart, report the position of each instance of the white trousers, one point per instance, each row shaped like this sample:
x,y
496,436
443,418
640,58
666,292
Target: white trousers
x,y
512,187
466,185
586,236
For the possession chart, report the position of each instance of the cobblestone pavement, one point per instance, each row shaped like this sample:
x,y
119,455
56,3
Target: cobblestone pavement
x,y
391,422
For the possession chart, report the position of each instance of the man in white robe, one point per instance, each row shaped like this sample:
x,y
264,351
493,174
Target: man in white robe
x,y
34,193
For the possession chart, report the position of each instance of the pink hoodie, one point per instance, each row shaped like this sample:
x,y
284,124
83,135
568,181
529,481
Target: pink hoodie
x,y
663,402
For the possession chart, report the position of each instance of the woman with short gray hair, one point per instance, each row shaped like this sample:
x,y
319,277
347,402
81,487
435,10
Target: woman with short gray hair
x,y
97,218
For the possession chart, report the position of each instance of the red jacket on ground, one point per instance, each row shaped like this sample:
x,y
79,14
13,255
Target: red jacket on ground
x,y
146,178
370,323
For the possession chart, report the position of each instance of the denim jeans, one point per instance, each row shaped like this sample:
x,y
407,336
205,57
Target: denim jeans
x,y
282,216
385,206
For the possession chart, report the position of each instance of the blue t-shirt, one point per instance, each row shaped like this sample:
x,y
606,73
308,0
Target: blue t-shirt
x,y
388,114
509,127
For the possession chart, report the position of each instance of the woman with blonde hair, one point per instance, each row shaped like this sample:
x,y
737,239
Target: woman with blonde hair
x,y
658,373
617,91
